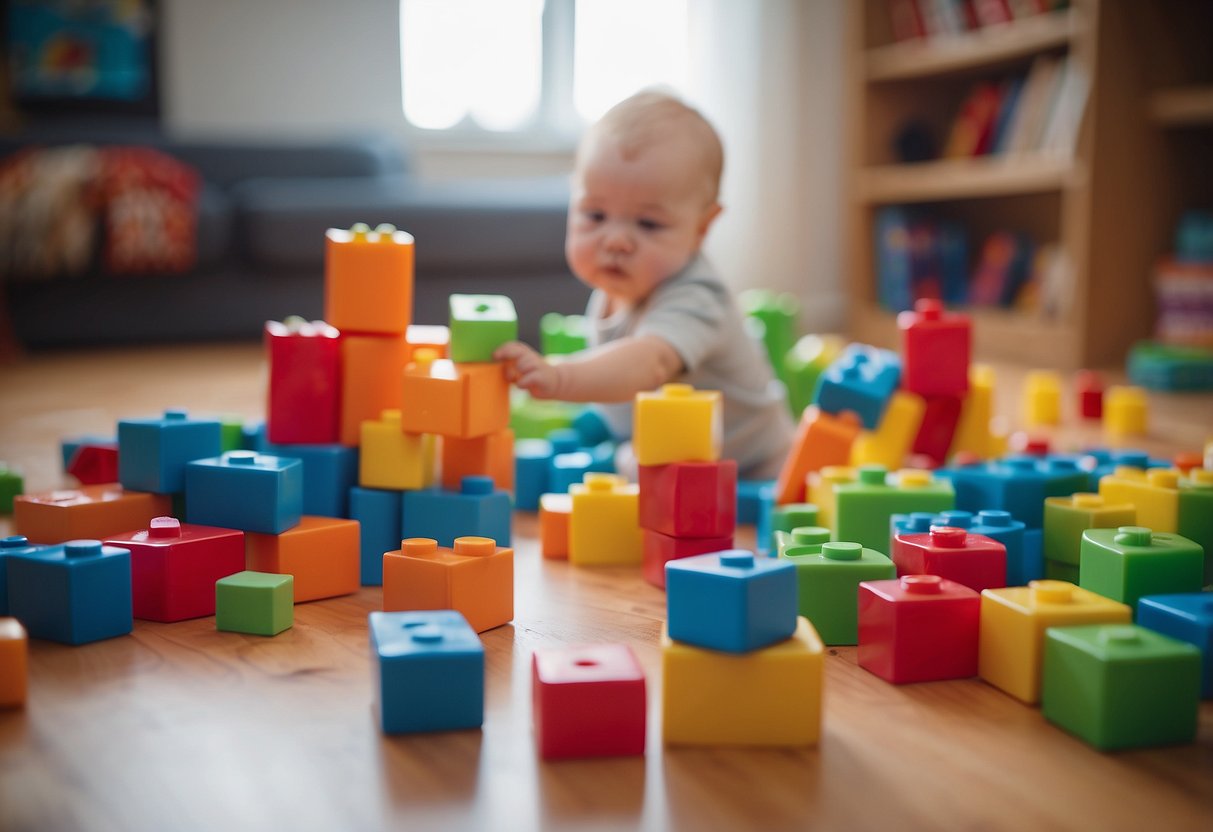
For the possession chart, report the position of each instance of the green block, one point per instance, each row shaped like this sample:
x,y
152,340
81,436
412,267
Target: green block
x,y
804,364
1066,518
777,314
257,603
11,484
1120,685
801,540
562,334
536,418
1056,570
1196,514
828,585
231,434
1126,563
479,325
792,516
864,508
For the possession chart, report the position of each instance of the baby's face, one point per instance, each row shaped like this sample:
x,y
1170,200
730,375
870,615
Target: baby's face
x,y
633,222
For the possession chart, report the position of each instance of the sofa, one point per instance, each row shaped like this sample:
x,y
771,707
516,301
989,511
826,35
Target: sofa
x,y
262,210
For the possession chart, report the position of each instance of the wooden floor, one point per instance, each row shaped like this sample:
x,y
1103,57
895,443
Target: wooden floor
x,y
179,727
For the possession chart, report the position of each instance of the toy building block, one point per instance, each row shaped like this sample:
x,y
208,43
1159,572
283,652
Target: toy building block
x,y
322,553
970,560
751,494
256,603
368,280
174,567
537,418
1126,563
866,506
1025,561
1066,518
1089,388
532,472
1030,444
94,464
1196,513
371,369
1184,618
554,512
9,546
1100,462
677,423
941,415
1121,686
1154,494
689,499
801,540
88,512
1042,398
862,380
589,701
329,472
153,453
820,490
393,459
1125,411
562,334
604,526
14,663
973,434
918,628
474,577
245,490
569,469
491,455
1013,624
11,485
460,400
660,549
69,445
828,583
1018,484
893,438
793,516
768,697
730,601
773,318
378,516
429,671
75,593
1185,461
476,509
479,325
432,337
822,440
935,348
591,427
804,364
303,398
231,433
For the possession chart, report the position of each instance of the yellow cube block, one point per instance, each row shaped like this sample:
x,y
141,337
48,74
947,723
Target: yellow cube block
x,y
393,459
1042,398
769,697
1154,493
604,524
1013,624
677,424
820,490
973,433
893,438
1124,411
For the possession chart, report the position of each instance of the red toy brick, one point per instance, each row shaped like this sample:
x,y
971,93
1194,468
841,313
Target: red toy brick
x,y
1022,442
304,391
919,628
689,499
938,427
935,350
94,464
588,701
1089,387
972,560
660,549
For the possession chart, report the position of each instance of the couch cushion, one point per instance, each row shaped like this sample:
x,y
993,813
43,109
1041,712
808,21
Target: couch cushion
x,y
214,230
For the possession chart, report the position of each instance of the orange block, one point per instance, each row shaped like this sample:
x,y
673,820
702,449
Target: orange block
x,y
489,456
475,577
90,512
368,279
14,663
554,513
821,439
371,369
460,400
434,337
321,553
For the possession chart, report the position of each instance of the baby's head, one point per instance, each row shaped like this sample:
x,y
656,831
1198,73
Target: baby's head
x,y
645,191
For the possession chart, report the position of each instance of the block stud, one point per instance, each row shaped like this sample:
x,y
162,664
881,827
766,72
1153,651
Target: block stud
x,y
810,535
478,547
16,541
737,559
872,474
1051,592
995,517
913,478
842,551
427,634
241,457
164,527
1125,636
948,537
1163,478
1133,536
1087,501
81,548
418,546
922,584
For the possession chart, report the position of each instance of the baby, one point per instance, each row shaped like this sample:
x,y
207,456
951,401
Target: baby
x,y
645,192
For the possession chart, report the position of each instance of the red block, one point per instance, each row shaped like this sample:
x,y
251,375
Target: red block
x,y
919,628
174,567
95,464
938,427
1089,387
588,701
660,549
935,350
1025,443
304,396
689,499
971,560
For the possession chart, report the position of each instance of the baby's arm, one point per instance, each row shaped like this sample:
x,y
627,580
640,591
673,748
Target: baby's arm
x,y
613,372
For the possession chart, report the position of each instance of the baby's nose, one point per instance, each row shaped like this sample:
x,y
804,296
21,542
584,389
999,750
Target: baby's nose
x,y
619,239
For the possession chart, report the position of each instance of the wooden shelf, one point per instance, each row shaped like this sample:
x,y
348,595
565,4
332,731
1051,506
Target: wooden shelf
x,y
992,176
983,48
1183,106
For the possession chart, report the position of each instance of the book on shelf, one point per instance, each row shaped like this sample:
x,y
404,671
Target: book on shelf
x,y
972,127
1069,103
1035,101
914,19
1011,90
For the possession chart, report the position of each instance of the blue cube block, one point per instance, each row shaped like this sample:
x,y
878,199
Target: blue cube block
x,y
73,593
750,495
602,457
255,437
591,428
569,469
329,471
245,490
475,510
764,527
862,379
532,470
1024,562
153,453
12,545
429,671
1018,484
378,512
1186,617
564,440
731,600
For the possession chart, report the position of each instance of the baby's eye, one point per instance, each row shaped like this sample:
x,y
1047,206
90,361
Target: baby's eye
x,y
594,216
649,225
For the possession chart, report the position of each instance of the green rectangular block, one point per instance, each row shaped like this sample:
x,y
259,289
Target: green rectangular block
x,y
536,418
479,325
231,434
1066,518
562,334
828,585
864,508
1126,563
11,485
1196,514
793,516
257,603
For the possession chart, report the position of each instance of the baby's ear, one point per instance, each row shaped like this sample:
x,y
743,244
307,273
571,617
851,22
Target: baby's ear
x,y
709,216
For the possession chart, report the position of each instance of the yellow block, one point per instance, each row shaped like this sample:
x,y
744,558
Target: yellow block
x,y
1154,493
677,424
1013,623
820,489
768,697
604,525
973,429
889,444
1124,411
390,458
1042,398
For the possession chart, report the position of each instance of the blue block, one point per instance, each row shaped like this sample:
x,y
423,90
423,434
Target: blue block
x,y
68,447
1018,484
564,440
591,428
429,671
153,453
1025,558
532,472
255,437
245,490
862,379
750,497
603,457
329,471
731,601
568,469
378,513
1106,462
764,528
1186,617
17,543
73,593
476,510
916,522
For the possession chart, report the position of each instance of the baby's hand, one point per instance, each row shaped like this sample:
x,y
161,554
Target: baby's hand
x,y
528,369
